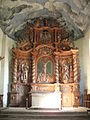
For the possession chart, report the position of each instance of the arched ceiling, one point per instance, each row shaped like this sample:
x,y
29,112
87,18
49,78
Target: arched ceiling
x,y
16,14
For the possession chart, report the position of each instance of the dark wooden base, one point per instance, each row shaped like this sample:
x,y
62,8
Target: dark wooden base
x,y
1,100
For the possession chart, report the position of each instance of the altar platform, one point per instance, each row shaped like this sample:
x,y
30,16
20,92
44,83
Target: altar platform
x,y
69,113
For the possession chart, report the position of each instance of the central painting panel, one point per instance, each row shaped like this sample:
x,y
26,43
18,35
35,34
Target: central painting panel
x,y
45,70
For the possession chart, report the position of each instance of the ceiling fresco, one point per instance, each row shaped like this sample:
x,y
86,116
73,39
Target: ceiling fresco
x,y
16,15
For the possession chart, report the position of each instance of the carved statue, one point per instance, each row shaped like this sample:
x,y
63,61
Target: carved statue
x,y
25,72
65,72
37,23
65,44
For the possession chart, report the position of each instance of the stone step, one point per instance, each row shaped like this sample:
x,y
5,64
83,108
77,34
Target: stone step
x,y
33,114
45,117
40,118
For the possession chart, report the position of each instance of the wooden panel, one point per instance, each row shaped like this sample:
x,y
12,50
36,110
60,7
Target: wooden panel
x,y
67,95
19,95
43,87
67,100
86,99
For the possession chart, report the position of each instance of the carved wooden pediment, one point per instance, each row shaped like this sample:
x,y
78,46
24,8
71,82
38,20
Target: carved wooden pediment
x,y
22,50
43,50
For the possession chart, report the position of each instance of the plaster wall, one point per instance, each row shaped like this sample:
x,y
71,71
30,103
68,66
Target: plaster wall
x,y
5,45
84,56
1,63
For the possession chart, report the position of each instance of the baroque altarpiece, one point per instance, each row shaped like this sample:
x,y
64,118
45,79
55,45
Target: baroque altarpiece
x,y
45,69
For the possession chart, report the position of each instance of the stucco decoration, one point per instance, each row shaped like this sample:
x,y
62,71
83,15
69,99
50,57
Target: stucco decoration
x,y
15,15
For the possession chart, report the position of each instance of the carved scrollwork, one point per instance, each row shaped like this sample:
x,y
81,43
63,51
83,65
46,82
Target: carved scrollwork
x,y
43,88
45,51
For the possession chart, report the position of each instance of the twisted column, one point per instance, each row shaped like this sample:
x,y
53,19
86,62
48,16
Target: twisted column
x,y
75,65
57,70
75,69
67,72
71,71
33,71
15,71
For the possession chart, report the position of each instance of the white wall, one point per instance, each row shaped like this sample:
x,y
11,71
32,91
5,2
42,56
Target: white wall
x,y
86,59
1,81
5,46
84,55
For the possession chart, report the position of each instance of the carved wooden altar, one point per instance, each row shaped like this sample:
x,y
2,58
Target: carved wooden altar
x,y
45,64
